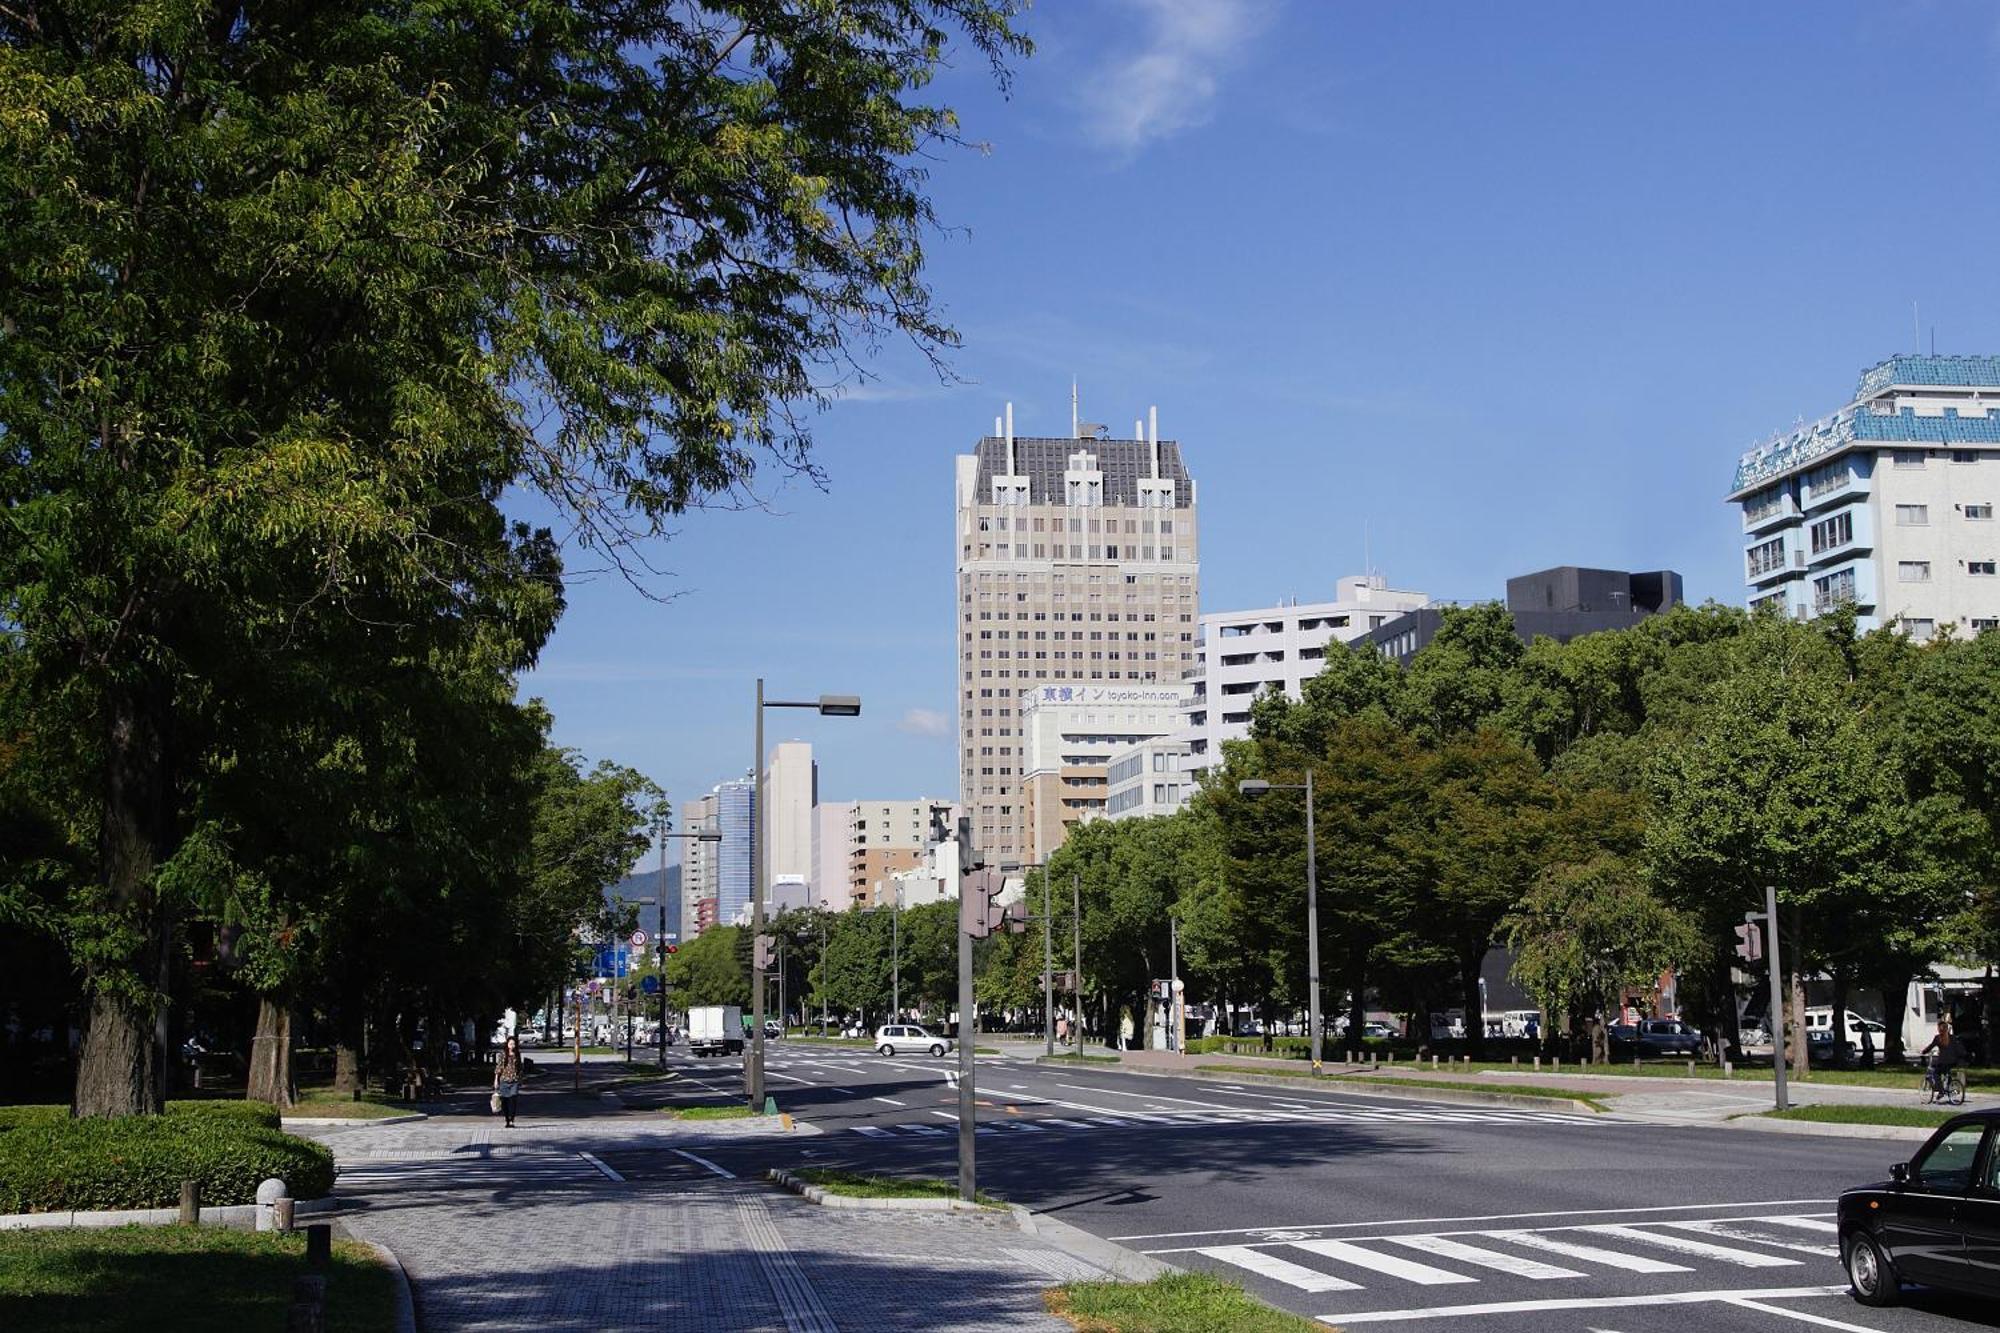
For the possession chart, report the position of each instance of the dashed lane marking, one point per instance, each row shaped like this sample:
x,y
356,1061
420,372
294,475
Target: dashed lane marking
x,y
1584,1303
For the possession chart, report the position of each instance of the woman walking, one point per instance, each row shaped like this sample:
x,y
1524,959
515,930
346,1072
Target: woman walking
x,y
507,1077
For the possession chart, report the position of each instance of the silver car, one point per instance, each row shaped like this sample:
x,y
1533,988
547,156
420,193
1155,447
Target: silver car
x,y
895,1037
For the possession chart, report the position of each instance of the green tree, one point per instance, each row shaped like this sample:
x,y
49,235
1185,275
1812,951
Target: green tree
x,y
296,292
712,968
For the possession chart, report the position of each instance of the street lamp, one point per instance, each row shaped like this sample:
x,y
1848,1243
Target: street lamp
x,y
827,705
660,941
1258,787
1048,957
823,905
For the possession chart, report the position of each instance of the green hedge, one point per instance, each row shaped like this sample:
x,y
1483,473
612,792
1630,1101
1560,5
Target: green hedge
x,y
51,1165
261,1114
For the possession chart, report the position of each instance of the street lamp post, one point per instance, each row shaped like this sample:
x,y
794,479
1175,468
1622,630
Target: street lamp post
x,y
896,955
1257,787
1048,974
660,943
827,705
823,904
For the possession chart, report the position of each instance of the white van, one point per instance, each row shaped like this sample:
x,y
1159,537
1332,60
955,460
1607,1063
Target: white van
x,y
1819,1018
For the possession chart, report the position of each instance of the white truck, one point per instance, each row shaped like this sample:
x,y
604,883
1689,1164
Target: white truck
x,y
715,1029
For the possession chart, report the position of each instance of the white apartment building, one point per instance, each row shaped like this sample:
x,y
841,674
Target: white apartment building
x,y
1150,778
700,869
1076,562
831,822
885,838
791,790
1070,734
1886,505
1240,653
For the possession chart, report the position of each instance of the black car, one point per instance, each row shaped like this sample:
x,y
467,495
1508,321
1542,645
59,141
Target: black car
x,y
1936,1220
1656,1038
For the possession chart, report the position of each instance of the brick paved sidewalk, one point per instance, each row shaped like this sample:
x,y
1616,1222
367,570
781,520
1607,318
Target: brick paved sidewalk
x,y
505,1232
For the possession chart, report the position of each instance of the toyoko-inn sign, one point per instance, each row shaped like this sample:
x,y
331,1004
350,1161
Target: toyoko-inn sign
x,y
1106,694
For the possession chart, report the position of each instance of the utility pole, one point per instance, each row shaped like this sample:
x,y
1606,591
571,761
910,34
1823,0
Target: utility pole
x,y
1048,974
1777,1024
1076,923
968,1107
660,934
1178,1030
753,1068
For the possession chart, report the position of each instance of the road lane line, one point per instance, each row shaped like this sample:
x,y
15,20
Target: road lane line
x,y
1390,1264
1482,1217
1699,1248
872,1131
1809,1223
772,1073
1569,1249
609,1174
1151,1097
1472,1254
1278,1270
1731,1230
703,1161
889,1100
1581,1303
1800,1315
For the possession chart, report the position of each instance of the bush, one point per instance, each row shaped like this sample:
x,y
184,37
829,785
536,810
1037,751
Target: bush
x,y
56,1164
260,1114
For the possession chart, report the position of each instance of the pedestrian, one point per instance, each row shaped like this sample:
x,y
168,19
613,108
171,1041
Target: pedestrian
x,y
507,1078
1125,1030
1062,1031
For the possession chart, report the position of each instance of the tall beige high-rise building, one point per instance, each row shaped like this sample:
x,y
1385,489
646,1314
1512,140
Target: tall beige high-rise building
x,y
791,790
1077,562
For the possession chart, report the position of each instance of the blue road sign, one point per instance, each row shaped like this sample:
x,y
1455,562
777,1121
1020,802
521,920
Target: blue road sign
x,y
650,985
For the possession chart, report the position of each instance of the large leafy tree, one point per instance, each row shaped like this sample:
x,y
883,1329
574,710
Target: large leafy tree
x,y
297,290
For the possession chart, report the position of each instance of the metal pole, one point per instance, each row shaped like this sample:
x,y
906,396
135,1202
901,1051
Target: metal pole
x,y
1312,921
1076,921
1174,1034
1048,973
753,1068
576,1063
1777,1023
822,970
660,953
967,1105
896,955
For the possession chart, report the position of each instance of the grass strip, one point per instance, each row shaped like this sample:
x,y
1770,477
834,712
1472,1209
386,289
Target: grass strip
x,y
1078,1057
857,1185
1837,1113
179,1280
1176,1303
1595,1100
737,1111
370,1107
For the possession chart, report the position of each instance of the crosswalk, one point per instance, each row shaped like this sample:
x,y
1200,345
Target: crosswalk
x,y
1316,1264
484,1171
998,1126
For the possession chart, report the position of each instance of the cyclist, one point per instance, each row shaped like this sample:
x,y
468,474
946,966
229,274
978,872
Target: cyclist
x,y
1945,1055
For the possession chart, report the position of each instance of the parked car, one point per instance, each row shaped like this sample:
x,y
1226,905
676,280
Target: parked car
x,y
894,1037
1936,1220
1655,1039
1373,1028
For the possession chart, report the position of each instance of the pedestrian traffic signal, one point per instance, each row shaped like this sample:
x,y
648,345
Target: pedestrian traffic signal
x,y
1749,942
978,914
766,953
673,948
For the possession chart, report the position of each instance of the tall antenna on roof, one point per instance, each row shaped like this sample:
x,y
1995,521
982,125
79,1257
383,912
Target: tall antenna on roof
x,y
1367,556
1073,433
1917,328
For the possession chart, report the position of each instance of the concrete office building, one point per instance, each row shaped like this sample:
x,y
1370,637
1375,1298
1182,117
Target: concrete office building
x,y
1070,733
1887,505
1562,603
1076,562
698,865
1153,777
885,838
1239,654
831,822
791,790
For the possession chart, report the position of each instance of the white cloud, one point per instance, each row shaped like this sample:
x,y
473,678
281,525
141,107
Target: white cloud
x,y
925,722
1170,83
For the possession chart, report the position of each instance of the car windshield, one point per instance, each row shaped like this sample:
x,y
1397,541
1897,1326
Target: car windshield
x,y
1948,1163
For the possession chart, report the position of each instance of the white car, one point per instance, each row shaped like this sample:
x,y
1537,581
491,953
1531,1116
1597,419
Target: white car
x,y
908,1037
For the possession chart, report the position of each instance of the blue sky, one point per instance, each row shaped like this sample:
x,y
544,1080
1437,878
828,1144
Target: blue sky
x,y
1476,288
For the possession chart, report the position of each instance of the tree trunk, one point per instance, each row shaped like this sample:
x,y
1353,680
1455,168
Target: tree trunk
x,y
1795,1025
1475,1008
119,1067
271,1055
1840,1056
1894,996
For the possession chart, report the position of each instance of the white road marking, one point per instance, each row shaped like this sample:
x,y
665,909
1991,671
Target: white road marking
x,y
1731,1230
1445,1248
1390,1264
889,1100
1150,1098
703,1161
1484,1217
874,1131
1582,1303
1279,1270
1809,1223
1699,1248
609,1174
1569,1249
772,1073
1801,1316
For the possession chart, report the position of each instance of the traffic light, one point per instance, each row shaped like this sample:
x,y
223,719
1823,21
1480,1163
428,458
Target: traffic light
x,y
673,948
978,915
1749,942
766,953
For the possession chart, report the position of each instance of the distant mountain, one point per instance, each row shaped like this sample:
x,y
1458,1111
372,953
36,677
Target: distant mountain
x,y
646,885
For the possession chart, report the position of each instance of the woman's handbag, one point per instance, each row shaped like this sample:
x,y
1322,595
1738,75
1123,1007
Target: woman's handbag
x,y
494,1101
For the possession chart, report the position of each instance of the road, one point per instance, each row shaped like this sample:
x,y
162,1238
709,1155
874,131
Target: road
x,y
1365,1212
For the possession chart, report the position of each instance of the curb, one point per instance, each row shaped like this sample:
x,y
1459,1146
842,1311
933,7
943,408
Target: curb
x,y
406,1302
1829,1129
353,1119
814,1194
237,1216
1123,1264
1355,1087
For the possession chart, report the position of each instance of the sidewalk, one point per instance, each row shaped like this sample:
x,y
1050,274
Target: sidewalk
x,y
531,1228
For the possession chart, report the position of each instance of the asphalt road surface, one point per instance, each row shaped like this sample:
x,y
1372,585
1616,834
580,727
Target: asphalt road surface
x,y
1364,1212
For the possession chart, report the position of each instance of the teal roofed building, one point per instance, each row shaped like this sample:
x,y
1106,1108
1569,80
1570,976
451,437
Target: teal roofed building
x,y
1885,505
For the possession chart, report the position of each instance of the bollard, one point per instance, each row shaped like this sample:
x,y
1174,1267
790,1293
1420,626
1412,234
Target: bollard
x,y
1514,1061
1727,1069
281,1215
1538,1064
308,1310
268,1194
1434,1062
1558,1064
191,1203
1690,1069
319,1245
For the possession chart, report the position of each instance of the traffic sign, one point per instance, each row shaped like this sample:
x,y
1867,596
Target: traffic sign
x,y
650,984
638,939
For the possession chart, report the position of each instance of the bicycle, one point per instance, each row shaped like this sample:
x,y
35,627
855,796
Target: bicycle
x,y
1945,1086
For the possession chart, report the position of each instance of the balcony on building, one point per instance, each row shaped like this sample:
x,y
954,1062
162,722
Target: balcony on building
x,y
1770,509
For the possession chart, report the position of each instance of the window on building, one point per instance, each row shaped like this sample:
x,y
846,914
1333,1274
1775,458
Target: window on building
x,y
1913,571
1908,458
1829,533
1766,556
1980,624
1979,511
1835,589
1965,455
1912,516
1917,628
1984,568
